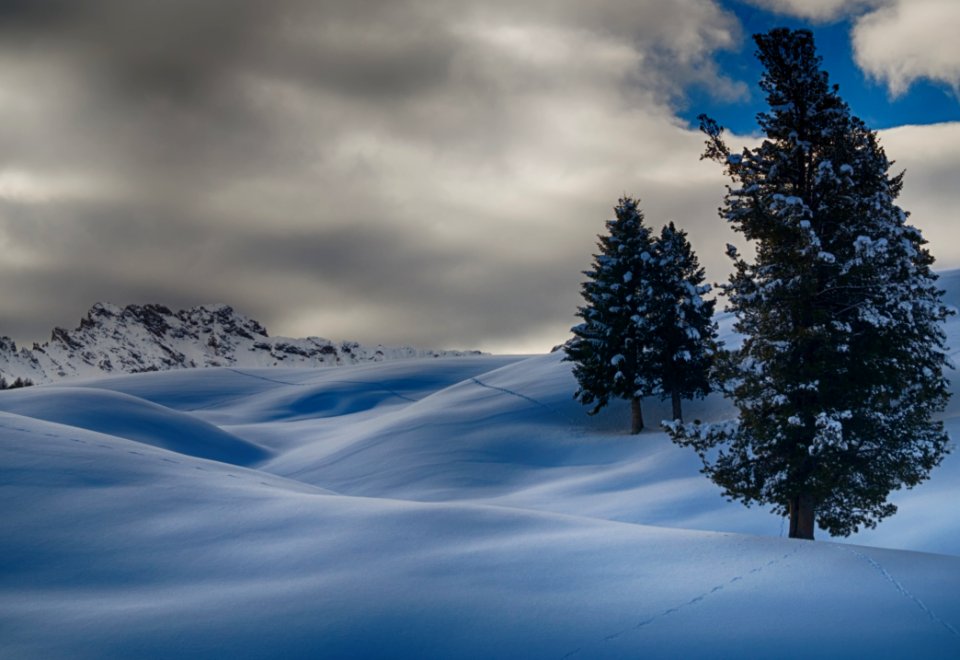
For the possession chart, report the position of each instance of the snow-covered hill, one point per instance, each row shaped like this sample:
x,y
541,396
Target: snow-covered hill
x,y
459,508
422,509
139,338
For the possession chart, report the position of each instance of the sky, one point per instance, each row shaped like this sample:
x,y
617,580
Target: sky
x,y
423,172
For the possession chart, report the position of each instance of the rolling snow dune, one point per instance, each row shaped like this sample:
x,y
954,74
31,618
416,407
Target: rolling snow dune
x,y
128,417
233,395
113,552
515,437
457,508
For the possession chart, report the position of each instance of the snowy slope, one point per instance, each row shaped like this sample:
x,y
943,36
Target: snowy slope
x,y
139,338
116,549
131,418
458,508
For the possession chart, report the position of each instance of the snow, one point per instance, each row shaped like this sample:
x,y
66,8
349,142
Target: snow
x,y
457,508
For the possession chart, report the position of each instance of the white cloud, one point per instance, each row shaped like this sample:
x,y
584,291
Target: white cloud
x,y
29,188
931,157
817,10
894,41
908,40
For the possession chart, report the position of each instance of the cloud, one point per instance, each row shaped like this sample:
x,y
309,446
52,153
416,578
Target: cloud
x,y
818,10
416,171
931,157
909,40
424,172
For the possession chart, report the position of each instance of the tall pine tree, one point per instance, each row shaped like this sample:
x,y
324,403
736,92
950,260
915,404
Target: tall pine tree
x,y
840,374
609,348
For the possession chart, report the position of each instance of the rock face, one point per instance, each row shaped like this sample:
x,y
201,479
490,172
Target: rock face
x,y
139,338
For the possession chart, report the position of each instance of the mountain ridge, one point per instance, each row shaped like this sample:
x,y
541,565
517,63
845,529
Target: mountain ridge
x,y
111,339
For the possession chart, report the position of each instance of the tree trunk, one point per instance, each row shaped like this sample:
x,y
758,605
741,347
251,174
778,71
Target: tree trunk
x,y
802,517
636,416
677,412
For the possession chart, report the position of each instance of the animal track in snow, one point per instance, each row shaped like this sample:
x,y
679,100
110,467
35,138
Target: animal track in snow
x,y
504,390
693,601
903,590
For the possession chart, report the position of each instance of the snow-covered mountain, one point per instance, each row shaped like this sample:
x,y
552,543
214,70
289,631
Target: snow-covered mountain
x,y
139,338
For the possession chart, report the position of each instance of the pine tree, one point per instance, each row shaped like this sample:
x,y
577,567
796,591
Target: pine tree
x,y
840,373
609,348
647,329
685,336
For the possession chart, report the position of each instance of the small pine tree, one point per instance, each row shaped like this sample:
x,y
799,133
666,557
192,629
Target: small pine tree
x,y
840,373
609,348
685,339
647,329
16,384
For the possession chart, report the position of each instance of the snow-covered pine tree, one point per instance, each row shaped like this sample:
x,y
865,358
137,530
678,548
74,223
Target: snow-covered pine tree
x,y
646,328
685,337
840,373
609,348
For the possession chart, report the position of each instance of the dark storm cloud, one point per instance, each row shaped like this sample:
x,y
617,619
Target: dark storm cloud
x,y
181,50
421,295
151,255
166,46
194,93
417,171
375,170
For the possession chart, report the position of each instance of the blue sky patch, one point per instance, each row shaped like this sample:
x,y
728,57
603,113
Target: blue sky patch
x,y
925,102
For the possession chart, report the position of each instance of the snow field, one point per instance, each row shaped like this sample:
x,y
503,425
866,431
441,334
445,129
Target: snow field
x,y
431,508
